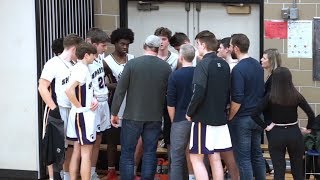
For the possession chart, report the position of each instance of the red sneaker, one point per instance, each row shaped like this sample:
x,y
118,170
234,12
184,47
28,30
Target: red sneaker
x,y
137,178
112,175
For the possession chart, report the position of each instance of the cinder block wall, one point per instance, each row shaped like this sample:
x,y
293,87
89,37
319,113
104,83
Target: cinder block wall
x,y
301,68
107,17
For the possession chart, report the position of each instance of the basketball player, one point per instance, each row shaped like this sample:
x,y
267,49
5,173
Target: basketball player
x,y
209,129
114,64
82,125
98,38
180,38
55,75
164,53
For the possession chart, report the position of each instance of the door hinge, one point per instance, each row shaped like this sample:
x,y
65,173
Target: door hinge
x,y
187,6
198,6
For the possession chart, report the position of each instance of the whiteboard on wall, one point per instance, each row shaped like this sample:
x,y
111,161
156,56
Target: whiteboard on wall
x,y
300,39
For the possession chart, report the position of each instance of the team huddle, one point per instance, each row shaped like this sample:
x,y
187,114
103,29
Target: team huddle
x,y
203,100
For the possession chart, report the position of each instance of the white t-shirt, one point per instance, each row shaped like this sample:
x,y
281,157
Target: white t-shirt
x,y
117,69
232,63
84,92
57,71
195,59
97,74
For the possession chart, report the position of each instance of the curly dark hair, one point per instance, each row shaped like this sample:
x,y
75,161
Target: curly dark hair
x,y
122,33
57,46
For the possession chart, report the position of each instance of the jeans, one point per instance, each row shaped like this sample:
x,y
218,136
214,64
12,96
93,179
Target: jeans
x,y
180,137
130,133
166,125
246,139
286,138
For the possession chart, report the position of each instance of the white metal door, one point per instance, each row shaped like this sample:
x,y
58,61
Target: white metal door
x,y
207,16
143,23
215,18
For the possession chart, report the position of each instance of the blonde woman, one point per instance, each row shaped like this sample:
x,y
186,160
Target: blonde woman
x,y
270,60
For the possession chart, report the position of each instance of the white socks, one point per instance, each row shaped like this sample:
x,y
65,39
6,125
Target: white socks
x,y
93,170
192,177
135,170
66,176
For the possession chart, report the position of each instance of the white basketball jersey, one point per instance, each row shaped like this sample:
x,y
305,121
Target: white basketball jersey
x,y
172,60
115,67
57,71
101,56
84,92
97,75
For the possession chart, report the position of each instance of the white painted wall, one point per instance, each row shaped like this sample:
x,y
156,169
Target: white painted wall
x,y
18,92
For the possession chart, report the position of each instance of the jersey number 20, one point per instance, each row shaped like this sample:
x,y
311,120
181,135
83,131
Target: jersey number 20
x,y
101,82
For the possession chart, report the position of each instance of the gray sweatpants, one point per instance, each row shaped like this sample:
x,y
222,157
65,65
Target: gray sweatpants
x,y
179,138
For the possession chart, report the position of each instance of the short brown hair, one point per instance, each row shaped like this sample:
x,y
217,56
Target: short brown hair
x,y
241,41
178,39
162,31
84,48
225,42
209,39
97,35
72,40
